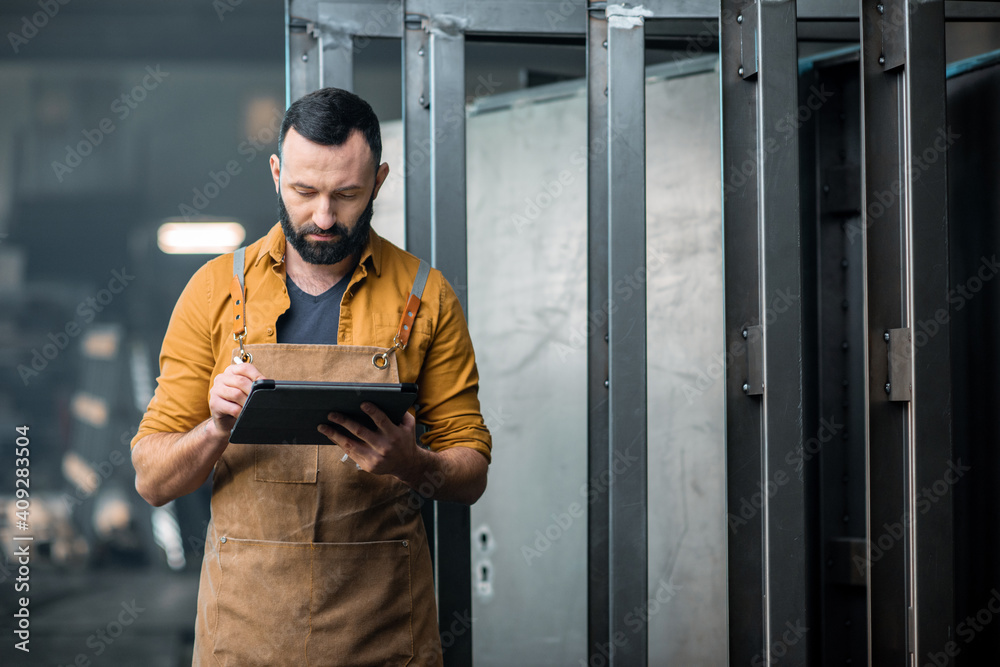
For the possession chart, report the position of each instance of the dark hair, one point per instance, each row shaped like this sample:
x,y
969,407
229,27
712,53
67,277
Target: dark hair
x,y
328,116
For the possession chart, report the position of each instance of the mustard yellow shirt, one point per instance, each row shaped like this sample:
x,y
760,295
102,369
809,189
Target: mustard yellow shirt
x,y
439,356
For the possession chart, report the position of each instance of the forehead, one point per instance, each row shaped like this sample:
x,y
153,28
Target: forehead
x,y
327,165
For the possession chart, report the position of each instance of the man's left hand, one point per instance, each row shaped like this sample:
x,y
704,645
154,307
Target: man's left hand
x,y
390,449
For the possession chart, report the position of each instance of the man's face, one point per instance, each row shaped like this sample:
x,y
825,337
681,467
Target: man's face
x,y
326,196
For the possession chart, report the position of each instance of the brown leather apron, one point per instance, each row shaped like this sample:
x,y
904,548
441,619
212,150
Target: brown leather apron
x,y
310,560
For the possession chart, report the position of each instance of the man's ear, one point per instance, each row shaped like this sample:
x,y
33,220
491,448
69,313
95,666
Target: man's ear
x,y
380,175
276,171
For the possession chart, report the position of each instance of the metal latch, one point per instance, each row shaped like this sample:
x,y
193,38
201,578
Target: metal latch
x,y
899,344
748,40
754,386
892,17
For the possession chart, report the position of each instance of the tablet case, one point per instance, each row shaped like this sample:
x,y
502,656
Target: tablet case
x,y
281,412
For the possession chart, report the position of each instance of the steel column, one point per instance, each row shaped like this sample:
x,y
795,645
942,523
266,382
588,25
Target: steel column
x,y
598,623
910,551
626,192
765,394
449,252
416,139
446,53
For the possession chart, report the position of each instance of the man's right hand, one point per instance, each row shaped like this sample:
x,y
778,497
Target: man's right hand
x,y
170,465
228,395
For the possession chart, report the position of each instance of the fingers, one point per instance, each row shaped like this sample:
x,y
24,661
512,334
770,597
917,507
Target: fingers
x,y
382,421
360,432
246,370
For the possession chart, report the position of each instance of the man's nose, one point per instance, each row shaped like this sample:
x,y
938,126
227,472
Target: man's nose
x,y
325,214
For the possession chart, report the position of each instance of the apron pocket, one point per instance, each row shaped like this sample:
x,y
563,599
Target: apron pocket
x,y
361,606
286,463
263,603
324,603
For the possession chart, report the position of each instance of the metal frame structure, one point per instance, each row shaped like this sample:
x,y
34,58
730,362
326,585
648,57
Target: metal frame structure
x,y
909,385
772,404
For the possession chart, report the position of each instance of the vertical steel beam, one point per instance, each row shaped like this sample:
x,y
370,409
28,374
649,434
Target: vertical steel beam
x,y
302,56
910,558
416,139
336,43
448,252
598,622
626,192
764,393
446,51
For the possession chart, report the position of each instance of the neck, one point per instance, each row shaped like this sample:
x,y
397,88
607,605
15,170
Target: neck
x,y
315,278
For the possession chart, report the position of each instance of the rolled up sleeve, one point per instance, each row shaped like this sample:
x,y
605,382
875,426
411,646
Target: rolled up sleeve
x,y
449,383
186,362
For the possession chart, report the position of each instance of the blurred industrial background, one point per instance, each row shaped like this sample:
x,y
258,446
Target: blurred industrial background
x,y
117,118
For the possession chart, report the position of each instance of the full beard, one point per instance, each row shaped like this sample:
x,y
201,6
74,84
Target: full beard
x,y
337,250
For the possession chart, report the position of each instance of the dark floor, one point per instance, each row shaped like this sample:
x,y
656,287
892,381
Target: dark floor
x,y
114,617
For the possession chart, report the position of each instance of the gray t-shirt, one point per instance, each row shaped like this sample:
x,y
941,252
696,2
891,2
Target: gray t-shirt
x,y
312,320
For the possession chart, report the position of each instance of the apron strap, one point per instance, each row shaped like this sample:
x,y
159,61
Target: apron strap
x,y
412,306
239,304
236,289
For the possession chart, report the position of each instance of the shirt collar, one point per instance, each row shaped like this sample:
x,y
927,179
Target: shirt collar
x,y
274,245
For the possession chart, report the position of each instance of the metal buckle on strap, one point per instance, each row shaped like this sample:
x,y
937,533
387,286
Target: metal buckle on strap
x,y
242,356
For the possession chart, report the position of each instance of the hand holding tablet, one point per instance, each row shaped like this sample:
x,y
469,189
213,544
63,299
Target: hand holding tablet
x,y
286,412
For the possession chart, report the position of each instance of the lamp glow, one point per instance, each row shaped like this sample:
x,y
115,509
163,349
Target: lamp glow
x,y
206,238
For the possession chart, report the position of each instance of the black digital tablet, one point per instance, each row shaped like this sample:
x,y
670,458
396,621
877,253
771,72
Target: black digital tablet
x,y
285,412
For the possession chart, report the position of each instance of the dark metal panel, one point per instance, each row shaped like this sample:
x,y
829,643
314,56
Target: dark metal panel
x,y
598,622
627,535
743,305
974,240
909,443
767,570
834,449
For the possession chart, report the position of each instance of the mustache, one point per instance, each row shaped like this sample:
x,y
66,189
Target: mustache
x,y
337,228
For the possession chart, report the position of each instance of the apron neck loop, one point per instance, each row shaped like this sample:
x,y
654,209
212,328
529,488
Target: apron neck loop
x,y
236,289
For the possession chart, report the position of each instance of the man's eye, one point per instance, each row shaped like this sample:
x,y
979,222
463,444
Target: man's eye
x,y
305,193
345,195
